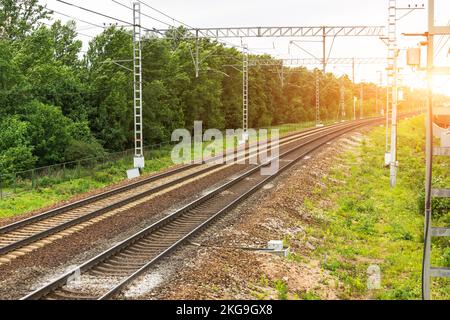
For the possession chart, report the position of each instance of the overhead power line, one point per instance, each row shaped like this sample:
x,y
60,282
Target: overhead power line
x,y
166,15
77,19
127,23
94,12
79,33
145,15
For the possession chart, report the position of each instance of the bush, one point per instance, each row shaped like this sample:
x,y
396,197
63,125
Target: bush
x,y
16,153
77,150
16,159
48,132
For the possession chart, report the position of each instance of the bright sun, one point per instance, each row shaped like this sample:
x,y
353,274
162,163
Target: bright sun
x,y
441,84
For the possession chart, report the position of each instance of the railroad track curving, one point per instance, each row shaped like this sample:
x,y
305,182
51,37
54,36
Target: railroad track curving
x,y
120,265
29,232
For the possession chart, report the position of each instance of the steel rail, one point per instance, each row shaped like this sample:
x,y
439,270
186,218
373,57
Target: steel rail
x,y
101,196
156,226
88,216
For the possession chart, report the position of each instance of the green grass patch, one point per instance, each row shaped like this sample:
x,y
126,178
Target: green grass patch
x,y
372,224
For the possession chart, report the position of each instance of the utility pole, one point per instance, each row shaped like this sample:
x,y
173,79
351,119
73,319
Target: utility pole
x,y
393,52
318,120
429,272
429,158
361,102
392,83
342,101
197,54
353,70
139,160
245,93
324,50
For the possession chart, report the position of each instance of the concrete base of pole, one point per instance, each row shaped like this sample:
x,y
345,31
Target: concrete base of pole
x,y
139,162
393,179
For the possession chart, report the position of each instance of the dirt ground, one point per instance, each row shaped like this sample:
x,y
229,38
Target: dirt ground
x,y
218,265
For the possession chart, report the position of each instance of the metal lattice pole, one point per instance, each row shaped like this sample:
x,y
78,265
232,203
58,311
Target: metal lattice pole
x,y
429,177
392,83
426,281
245,93
139,161
318,120
361,101
342,101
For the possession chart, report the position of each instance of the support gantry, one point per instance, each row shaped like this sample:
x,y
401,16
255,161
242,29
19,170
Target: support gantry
x,y
279,32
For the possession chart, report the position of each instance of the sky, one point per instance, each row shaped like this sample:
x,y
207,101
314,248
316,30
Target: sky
x,y
257,13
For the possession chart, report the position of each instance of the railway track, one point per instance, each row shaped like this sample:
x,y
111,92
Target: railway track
x,y
118,266
28,232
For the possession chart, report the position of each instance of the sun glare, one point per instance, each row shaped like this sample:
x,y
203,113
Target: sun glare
x,y
441,84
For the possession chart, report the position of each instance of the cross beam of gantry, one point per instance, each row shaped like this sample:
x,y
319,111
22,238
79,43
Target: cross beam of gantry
x,y
279,32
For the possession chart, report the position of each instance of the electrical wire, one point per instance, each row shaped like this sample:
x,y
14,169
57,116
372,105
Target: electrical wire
x,y
145,15
80,20
94,12
104,15
164,14
79,33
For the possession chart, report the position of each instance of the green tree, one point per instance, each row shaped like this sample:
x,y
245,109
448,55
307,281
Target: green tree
x,y
66,46
16,152
19,17
110,101
14,90
48,132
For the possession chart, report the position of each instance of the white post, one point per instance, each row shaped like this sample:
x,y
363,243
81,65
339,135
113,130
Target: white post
x,y
394,164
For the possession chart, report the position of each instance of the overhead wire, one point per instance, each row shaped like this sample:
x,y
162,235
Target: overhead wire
x,y
127,23
77,19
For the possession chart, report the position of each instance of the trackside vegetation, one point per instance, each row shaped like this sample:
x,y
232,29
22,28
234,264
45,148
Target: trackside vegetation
x,y
33,191
59,103
366,223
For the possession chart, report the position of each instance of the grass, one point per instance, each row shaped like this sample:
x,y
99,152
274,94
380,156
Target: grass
x,y
371,224
55,188
282,289
52,190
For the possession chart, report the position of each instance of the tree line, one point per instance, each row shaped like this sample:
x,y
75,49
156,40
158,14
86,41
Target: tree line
x,y
59,104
